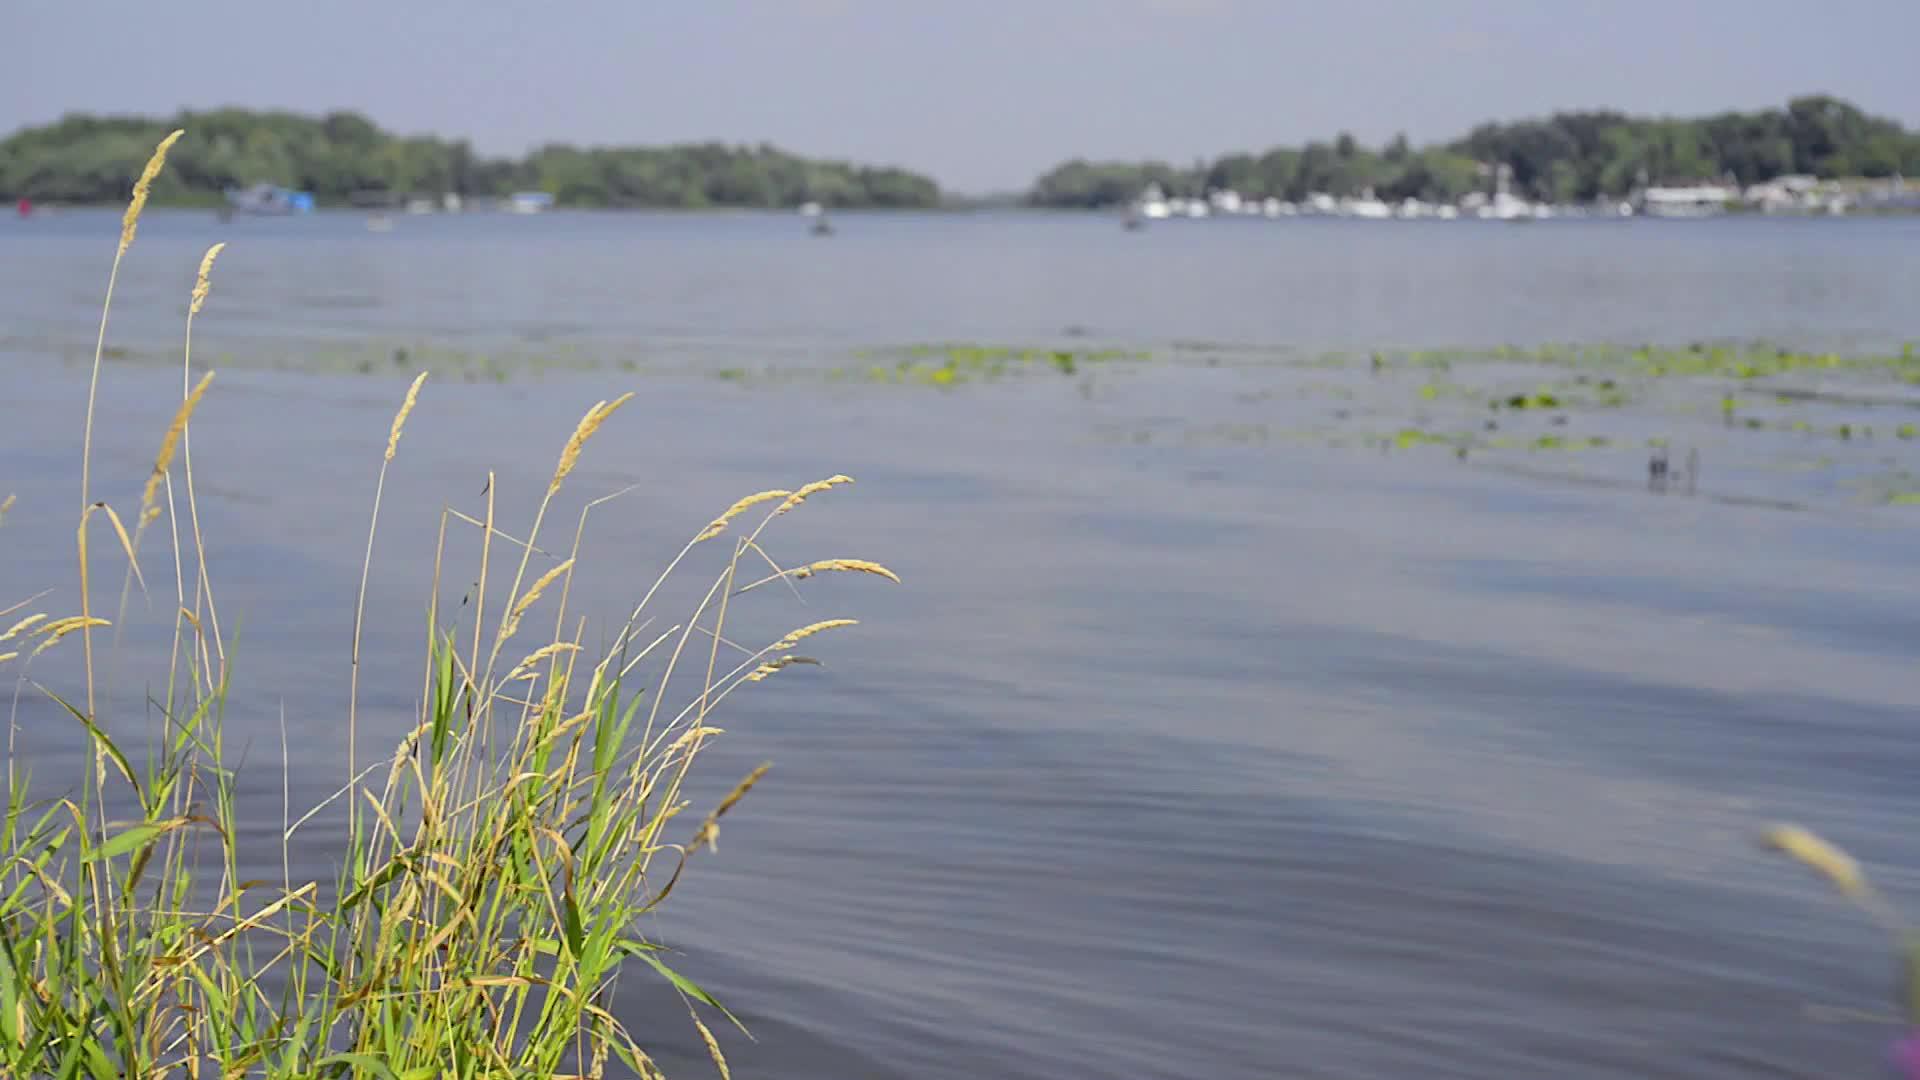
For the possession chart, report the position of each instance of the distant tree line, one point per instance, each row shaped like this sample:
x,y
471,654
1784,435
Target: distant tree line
x,y
343,157
1566,157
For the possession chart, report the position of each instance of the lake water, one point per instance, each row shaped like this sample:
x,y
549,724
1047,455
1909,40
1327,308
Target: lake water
x,y
1249,709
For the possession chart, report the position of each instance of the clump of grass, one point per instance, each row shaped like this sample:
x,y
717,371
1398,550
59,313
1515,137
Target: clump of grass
x,y
495,862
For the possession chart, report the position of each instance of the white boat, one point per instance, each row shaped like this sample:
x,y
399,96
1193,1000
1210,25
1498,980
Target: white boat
x,y
1152,204
529,202
1187,208
810,209
1698,200
1505,207
1366,206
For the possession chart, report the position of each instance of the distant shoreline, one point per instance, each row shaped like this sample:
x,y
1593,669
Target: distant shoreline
x,y
344,158
1564,159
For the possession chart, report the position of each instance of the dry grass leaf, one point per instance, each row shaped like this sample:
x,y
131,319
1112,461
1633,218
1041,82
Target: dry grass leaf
x,y
119,530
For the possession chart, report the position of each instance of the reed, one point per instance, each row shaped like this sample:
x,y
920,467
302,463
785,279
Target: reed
x,y
495,861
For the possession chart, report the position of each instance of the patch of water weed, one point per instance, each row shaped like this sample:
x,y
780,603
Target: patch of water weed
x,y
951,364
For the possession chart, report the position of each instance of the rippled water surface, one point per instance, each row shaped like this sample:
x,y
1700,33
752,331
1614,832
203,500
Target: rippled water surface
x,y
1261,700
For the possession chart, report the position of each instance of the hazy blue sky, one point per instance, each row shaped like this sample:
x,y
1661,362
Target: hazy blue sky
x,y
981,93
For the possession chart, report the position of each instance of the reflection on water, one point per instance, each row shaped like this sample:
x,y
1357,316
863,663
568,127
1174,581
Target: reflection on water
x,y
1173,757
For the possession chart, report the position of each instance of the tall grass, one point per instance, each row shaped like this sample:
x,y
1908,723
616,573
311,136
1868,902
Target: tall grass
x,y
494,864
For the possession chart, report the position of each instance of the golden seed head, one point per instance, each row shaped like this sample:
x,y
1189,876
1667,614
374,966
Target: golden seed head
x,y
696,733
22,625
857,566
808,631
771,666
164,459
545,651
6,656
141,187
589,424
203,284
52,632
400,418
527,599
719,524
540,586
1832,863
814,488
522,669
740,790
6,504
713,1049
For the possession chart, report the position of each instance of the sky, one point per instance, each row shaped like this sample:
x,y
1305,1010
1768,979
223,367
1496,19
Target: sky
x,y
982,94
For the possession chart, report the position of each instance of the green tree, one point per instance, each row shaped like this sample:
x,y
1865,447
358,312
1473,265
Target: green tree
x,y
1578,155
344,156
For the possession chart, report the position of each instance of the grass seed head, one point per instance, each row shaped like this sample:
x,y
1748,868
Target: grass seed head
x,y
719,524
809,630
1829,861
203,284
170,443
400,418
856,566
590,423
142,187
814,488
